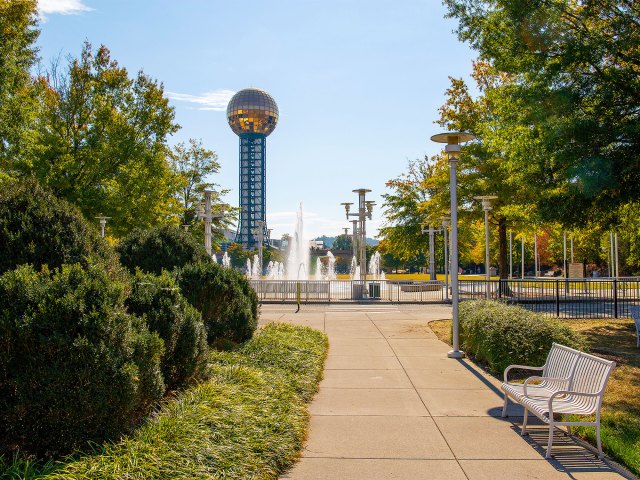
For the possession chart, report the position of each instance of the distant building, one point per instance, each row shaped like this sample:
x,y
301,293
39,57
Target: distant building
x,y
317,245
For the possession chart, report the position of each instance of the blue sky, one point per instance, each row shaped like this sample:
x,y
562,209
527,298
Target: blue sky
x,y
358,84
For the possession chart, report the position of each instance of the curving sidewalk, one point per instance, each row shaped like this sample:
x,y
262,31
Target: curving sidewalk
x,y
393,406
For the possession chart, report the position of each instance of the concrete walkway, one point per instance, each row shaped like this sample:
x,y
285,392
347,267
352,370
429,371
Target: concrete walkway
x,y
393,406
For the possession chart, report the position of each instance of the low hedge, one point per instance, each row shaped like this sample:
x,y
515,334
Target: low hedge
x,y
75,367
502,335
228,304
158,300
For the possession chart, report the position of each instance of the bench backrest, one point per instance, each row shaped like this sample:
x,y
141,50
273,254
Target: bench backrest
x,y
590,375
560,361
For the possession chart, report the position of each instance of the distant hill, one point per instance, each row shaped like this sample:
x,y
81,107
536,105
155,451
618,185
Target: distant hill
x,y
328,241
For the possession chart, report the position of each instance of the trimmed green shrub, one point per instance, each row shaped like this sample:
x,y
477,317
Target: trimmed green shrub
x,y
163,247
502,335
74,365
40,229
228,304
158,300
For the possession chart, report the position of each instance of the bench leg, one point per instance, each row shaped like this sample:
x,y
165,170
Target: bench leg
x,y
506,404
599,442
523,432
550,442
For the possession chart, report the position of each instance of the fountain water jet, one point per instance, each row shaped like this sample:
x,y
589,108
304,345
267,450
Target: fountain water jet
x,y
331,267
298,252
374,266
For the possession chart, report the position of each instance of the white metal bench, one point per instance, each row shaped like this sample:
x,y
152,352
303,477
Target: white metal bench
x,y
635,315
572,383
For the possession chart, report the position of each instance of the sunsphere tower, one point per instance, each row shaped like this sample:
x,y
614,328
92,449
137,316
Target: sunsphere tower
x,y
252,115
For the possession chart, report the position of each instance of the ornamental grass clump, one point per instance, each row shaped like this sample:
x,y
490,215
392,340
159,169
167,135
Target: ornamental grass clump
x,y
502,335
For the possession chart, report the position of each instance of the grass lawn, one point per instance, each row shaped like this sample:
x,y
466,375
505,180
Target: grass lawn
x,y
614,340
247,420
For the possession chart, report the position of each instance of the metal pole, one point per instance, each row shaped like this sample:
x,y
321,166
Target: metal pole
x,y
486,251
571,249
615,238
564,261
432,253
446,262
535,255
452,150
354,238
611,272
103,222
207,221
522,260
510,255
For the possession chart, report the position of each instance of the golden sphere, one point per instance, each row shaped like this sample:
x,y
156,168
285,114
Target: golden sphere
x,y
252,111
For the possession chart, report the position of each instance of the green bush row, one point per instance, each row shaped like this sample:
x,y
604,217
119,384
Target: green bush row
x,y
87,349
502,335
247,421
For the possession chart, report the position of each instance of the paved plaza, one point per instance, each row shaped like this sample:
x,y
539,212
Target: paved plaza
x,y
393,406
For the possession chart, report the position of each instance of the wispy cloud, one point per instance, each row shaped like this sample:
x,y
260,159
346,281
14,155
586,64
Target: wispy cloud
x,y
216,100
63,7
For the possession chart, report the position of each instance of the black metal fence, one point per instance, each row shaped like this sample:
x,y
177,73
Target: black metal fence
x,y
563,298
559,297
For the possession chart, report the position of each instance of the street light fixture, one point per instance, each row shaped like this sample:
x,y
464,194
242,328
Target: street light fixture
x,y
453,140
446,221
486,206
432,250
365,211
103,222
205,214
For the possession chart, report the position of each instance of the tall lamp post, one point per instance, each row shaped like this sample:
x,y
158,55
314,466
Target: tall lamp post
x,y
486,206
365,210
354,238
205,214
446,221
432,248
103,223
453,140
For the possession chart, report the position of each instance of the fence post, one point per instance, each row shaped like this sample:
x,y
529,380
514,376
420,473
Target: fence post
x,y
558,298
615,298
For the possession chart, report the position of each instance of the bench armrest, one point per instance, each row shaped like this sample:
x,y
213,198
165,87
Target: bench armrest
x,y
523,367
569,392
534,378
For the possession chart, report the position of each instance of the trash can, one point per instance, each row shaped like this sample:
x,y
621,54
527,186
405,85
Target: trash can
x,y
374,290
357,291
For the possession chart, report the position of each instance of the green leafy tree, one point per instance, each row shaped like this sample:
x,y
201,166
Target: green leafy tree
x,y
575,78
102,142
18,107
342,242
194,163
